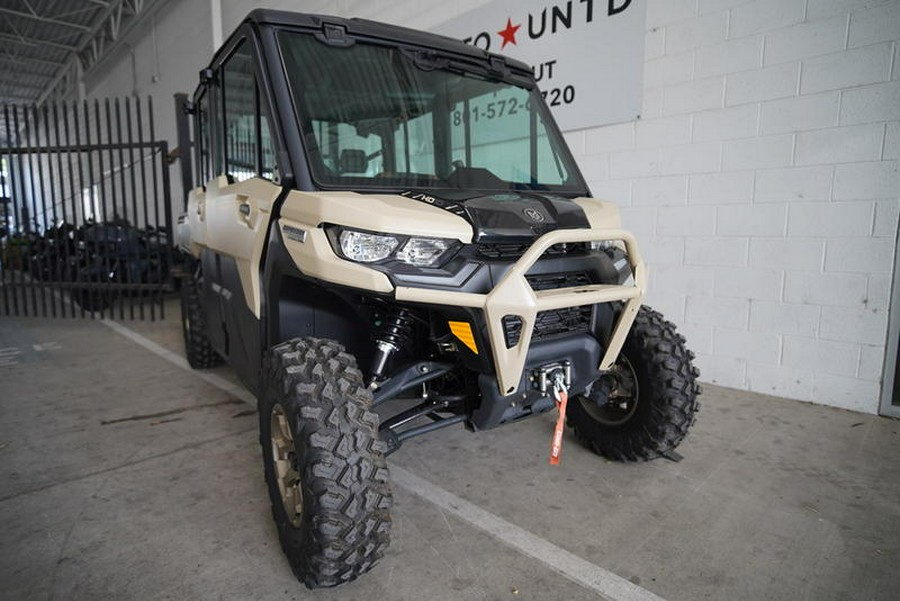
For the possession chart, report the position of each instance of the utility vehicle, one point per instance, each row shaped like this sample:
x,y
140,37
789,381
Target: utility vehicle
x,y
379,214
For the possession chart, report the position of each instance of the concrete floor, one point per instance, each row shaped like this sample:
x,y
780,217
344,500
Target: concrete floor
x,y
124,476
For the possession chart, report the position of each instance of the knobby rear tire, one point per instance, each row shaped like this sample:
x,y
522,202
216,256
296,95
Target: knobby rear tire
x,y
198,349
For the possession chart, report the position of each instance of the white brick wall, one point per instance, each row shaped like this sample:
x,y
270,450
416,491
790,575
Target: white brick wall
x,y
723,124
663,132
758,152
799,113
765,179
759,347
728,57
860,255
716,188
872,104
693,96
794,184
785,318
840,145
783,253
881,24
765,15
847,68
831,220
670,190
838,358
781,380
805,39
751,220
762,84
755,284
831,289
716,251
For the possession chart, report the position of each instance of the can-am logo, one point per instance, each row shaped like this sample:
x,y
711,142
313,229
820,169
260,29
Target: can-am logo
x,y
533,214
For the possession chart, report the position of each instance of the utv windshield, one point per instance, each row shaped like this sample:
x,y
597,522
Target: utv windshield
x,y
381,117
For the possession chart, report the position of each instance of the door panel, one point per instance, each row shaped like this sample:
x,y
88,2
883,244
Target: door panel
x,y
236,223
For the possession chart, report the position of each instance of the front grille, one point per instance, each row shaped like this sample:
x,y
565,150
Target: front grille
x,y
510,251
548,324
562,321
552,281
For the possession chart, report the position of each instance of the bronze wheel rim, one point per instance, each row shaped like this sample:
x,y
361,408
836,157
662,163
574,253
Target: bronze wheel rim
x,y
622,400
284,459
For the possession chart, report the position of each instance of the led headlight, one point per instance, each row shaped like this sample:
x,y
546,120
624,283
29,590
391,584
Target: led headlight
x,y
365,247
422,252
369,247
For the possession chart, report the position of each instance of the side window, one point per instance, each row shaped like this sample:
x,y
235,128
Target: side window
x,y
249,146
267,144
239,93
202,131
218,153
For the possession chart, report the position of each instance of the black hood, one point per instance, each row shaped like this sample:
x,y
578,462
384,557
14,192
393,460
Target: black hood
x,y
507,216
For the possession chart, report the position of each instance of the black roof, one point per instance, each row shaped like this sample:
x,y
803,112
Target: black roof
x,y
365,28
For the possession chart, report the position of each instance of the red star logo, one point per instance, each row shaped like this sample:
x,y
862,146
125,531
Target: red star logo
x,y
509,34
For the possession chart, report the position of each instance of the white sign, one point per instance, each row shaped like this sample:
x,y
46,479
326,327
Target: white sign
x,y
587,55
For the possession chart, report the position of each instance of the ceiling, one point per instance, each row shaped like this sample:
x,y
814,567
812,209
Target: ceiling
x,y
46,46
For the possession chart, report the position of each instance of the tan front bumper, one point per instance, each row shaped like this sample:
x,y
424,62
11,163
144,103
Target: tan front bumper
x,y
514,296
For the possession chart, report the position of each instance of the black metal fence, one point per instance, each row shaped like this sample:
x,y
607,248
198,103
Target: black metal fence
x,y
85,211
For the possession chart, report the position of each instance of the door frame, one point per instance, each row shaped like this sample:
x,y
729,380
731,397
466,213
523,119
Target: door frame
x,y
890,400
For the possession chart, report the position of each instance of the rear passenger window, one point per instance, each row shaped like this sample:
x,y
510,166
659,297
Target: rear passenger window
x,y
204,163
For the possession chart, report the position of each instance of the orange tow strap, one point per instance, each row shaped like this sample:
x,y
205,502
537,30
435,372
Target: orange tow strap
x,y
556,447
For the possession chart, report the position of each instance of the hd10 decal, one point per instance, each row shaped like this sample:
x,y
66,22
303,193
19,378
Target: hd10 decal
x,y
587,55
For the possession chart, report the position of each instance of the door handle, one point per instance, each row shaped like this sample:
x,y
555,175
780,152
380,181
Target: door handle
x,y
244,208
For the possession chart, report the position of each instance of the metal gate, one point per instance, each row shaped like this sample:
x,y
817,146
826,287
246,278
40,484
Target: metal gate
x,y
85,212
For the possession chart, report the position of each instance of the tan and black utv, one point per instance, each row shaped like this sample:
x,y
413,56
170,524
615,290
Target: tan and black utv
x,y
378,214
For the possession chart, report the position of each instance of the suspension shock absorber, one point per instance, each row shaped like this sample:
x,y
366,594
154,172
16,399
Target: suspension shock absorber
x,y
395,331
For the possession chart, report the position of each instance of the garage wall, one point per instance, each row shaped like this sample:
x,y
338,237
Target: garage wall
x,y
762,178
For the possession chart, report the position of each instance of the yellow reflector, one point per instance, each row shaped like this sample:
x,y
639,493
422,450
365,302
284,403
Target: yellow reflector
x,y
463,331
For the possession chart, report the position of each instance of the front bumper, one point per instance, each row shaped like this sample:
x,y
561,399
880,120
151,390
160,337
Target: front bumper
x,y
514,296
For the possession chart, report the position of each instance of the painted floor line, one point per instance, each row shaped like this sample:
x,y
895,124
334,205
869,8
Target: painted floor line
x,y
584,573
217,381
588,575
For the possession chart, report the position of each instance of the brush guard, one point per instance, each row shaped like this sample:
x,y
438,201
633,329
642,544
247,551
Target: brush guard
x,y
514,296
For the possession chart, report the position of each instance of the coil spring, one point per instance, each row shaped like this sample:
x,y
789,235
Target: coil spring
x,y
397,328
394,332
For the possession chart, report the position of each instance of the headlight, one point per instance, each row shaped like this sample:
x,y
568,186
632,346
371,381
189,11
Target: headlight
x,y
422,252
369,247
